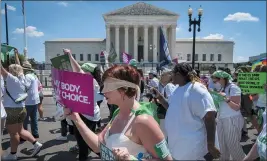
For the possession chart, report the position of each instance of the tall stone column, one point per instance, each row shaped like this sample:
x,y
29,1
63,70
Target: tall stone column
x,y
107,38
145,43
126,29
155,43
136,42
169,38
117,42
173,40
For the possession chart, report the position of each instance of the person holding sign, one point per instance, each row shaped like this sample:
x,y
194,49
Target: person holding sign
x,y
90,121
259,149
230,121
260,102
14,103
133,132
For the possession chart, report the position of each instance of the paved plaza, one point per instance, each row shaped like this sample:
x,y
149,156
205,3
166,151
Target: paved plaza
x,y
54,150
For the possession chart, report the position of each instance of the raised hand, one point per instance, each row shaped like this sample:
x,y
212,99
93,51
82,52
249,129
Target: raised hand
x,y
74,116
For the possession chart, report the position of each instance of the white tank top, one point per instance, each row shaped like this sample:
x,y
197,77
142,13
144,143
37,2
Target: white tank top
x,y
120,140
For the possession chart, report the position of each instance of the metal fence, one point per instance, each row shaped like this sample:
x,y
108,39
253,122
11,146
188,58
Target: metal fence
x,y
44,77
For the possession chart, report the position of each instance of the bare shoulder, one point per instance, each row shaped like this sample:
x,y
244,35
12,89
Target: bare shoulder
x,y
143,119
145,122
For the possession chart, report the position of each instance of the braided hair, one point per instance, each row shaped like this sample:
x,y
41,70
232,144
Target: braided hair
x,y
187,72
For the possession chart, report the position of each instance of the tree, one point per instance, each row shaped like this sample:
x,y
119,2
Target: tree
x,y
33,62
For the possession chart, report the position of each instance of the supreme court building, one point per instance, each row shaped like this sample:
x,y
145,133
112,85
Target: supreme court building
x,y
135,30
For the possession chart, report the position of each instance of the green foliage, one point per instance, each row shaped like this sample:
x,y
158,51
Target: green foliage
x,y
33,62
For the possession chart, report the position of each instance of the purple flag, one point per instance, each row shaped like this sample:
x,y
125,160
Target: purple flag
x,y
126,58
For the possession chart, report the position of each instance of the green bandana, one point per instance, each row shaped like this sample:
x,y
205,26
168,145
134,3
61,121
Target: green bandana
x,y
88,67
133,63
222,74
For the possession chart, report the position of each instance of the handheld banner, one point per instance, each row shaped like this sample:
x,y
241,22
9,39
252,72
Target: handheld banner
x,y
252,83
74,90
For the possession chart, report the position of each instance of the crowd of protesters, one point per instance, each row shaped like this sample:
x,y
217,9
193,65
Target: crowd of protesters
x,y
180,120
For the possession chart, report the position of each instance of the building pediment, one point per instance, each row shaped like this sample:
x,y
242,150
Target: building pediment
x,y
139,9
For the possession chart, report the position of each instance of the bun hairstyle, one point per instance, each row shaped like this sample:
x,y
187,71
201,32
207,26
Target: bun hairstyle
x,y
126,73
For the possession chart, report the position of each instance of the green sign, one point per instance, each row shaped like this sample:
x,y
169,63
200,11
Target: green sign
x,y
252,83
5,50
106,153
62,62
217,98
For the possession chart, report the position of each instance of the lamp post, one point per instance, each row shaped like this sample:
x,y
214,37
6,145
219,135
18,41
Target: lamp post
x,y
152,47
194,23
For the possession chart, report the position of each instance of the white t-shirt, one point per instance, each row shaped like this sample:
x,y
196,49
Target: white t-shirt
x,y
224,109
169,89
3,111
184,124
16,86
97,97
261,102
33,93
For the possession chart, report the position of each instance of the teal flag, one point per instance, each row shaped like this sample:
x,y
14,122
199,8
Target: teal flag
x,y
6,49
217,98
112,54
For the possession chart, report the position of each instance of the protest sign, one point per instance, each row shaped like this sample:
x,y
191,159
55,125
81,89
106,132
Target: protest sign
x,y
74,90
106,153
62,62
217,98
252,83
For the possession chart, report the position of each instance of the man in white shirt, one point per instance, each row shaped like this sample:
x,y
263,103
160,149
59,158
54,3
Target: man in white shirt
x,y
190,119
32,100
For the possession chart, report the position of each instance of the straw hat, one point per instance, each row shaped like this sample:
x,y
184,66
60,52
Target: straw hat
x,y
27,66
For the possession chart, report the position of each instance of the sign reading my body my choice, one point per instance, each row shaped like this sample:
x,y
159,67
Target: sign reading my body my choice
x,y
74,90
252,83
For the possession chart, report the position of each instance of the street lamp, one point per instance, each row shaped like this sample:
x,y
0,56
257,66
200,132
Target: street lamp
x,y
194,23
152,47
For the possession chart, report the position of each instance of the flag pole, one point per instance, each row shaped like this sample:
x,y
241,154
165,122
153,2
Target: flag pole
x,y
7,41
7,37
25,34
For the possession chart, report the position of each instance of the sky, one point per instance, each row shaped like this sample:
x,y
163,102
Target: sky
x,y
243,22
